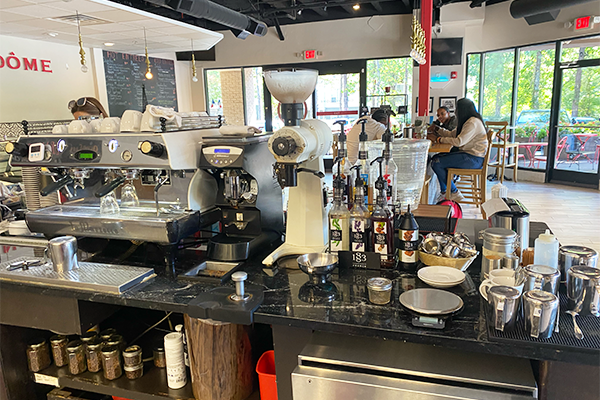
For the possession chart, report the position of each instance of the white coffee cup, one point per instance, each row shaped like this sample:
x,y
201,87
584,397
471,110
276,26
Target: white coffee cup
x,y
501,272
79,126
131,121
499,281
96,124
111,125
60,129
150,123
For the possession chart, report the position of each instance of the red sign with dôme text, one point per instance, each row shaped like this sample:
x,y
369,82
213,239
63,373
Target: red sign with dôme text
x,y
28,64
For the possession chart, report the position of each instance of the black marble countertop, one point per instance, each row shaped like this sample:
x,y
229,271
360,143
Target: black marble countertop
x,y
343,307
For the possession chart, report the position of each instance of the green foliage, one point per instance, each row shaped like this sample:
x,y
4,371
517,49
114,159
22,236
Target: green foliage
x,y
533,132
473,69
213,83
393,72
497,89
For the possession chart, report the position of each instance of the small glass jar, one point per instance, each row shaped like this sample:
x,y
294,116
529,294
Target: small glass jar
x,y
159,357
58,343
94,354
38,354
132,356
86,337
134,371
116,340
111,362
76,351
380,290
105,334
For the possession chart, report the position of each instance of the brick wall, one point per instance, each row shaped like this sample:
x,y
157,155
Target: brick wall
x,y
233,97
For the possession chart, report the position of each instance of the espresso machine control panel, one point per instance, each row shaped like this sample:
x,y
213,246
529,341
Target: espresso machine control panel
x,y
222,157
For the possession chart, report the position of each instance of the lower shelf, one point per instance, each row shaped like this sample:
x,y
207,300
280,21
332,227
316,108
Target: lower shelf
x,y
151,386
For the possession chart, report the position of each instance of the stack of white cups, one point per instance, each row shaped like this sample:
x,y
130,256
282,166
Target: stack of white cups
x,y
176,371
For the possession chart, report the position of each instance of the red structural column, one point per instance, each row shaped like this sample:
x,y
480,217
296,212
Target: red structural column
x,y
425,69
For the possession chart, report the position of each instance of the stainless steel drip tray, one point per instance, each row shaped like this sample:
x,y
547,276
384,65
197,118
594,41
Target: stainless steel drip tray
x,y
100,278
140,223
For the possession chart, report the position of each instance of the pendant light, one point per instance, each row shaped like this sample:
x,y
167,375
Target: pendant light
x,y
84,67
194,73
148,72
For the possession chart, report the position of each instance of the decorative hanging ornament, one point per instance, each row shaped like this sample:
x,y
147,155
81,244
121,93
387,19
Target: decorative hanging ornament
x,y
84,67
417,51
194,73
148,71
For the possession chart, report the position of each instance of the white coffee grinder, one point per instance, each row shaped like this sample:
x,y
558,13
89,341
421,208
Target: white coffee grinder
x,y
299,148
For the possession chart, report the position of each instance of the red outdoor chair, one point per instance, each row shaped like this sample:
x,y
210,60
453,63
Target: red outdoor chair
x,y
560,147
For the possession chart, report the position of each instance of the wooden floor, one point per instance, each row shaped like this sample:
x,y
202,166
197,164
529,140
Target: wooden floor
x,y
572,213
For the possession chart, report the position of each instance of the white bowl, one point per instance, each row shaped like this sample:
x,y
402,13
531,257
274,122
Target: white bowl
x,y
439,276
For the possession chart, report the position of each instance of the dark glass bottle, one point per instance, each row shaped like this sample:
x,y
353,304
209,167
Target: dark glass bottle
x,y
408,233
360,222
382,222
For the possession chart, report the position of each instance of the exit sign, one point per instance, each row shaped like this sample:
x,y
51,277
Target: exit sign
x,y
310,54
582,23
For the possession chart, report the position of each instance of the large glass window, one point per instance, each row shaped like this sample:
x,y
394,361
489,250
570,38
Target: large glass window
x,y
389,82
213,92
534,99
338,98
497,85
581,49
473,74
253,91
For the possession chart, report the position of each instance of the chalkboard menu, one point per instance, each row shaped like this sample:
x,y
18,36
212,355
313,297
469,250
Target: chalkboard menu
x,y
126,82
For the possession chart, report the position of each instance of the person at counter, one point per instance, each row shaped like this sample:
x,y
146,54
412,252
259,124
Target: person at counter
x,y
444,120
471,140
374,128
87,107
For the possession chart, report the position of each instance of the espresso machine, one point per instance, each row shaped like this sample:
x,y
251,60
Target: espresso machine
x,y
176,198
248,196
298,149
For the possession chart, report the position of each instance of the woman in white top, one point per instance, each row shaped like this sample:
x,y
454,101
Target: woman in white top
x,y
469,137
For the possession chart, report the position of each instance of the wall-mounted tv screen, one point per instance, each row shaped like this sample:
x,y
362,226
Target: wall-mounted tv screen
x,y
446,51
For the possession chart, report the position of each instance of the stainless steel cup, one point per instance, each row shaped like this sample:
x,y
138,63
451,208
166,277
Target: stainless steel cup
x,y
569,256
488,264
541,277
510,262
503,307
62,251
540,309
583,290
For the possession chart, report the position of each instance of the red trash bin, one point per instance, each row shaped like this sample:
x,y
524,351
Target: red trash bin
x,y
267,380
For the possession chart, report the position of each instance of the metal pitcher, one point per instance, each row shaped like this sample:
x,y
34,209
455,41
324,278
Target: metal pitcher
x,y
583,290
541,277
569,256
540,309
62,251
503,307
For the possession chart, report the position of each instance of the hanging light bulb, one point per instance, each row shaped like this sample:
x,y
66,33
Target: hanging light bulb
x,y
194,73
148,71
84,67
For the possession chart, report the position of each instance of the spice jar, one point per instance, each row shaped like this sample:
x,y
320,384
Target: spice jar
x,y
132,356
76,352
86,337
94,354
134,371
58,343
380,290
111,362
105,334
116,340
159,357
38,354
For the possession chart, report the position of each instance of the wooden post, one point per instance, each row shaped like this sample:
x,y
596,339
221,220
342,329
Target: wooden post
x,y
220,359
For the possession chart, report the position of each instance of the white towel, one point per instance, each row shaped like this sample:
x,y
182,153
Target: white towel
x,y
239,130
168,113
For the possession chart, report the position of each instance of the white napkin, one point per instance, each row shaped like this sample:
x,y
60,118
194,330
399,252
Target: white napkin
x,y
238,130
168,113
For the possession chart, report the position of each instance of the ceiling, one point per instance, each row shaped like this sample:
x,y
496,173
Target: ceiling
x,y
110,23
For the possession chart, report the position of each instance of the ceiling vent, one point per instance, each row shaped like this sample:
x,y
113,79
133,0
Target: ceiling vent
x,y
84,20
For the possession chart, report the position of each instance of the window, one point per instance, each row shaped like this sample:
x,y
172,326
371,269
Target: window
x,y
253,92
473,73
389,81
213,92
581,49
497,85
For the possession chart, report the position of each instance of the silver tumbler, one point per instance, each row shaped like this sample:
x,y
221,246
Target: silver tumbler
x,y
541,277
583,290
540,309
503,307
569,256
62,251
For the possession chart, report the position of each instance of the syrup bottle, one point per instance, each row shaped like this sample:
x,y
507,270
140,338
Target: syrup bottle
x,y
363,161
339,217
360,222
409,241
382,221
343,166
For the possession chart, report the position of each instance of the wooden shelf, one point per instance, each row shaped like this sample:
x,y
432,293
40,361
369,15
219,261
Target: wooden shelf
x,y
151,386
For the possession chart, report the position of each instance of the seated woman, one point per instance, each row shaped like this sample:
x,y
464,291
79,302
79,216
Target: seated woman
x,y
471,139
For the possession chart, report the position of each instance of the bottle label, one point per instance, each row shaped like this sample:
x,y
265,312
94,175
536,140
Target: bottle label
x,y
408,256
358,236
409,236
363,155
335,234
380,233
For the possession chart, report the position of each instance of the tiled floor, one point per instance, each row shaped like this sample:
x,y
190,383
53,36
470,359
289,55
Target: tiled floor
x,y
572,213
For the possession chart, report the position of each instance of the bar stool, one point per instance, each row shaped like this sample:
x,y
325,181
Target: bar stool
x,y
472,183
504,146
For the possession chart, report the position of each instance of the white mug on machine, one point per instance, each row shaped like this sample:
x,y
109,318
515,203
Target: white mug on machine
x,y
79,126
131,121
111,125
509,281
